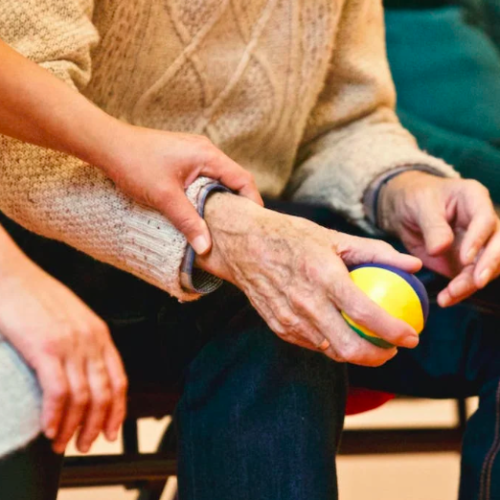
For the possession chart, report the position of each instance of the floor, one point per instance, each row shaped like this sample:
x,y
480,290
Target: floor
x,y
388,477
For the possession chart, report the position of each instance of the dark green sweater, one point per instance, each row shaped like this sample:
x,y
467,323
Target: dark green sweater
x,y
448,83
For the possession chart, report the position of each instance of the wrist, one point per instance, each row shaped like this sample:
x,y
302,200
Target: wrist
x,y
103,142
232,221
393,195
13,262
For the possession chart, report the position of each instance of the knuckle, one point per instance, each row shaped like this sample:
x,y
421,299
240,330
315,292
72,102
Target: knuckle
x,y
100,326
58,393
188,224
477,187
348,353
58,342
286,318
80,396
121,386
103,397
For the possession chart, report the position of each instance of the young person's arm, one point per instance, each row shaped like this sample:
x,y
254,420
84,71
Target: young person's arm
x,y
152,167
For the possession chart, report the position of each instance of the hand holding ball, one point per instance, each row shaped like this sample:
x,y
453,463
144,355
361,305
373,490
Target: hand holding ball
x,y
401,294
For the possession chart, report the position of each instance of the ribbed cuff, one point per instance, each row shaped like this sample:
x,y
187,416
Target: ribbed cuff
x,y
154,250
372,193
194,279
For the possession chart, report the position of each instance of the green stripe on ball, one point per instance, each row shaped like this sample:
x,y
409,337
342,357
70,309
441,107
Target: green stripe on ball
x,y
374,340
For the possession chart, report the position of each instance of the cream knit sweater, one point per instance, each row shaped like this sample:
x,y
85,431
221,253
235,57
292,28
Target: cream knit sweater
x,y
297,91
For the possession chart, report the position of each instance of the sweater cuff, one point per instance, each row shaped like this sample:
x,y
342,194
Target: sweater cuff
x,y
155,251
194,279
372,193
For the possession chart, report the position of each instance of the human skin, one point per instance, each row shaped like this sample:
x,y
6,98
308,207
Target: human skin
x,y
294,274
294,271
451,224
153,168
67,345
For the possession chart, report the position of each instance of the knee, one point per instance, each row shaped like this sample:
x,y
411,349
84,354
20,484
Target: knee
x,y
247,365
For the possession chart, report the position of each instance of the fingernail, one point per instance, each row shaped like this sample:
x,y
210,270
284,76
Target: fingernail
x,y
410,341
85,448
471,255
484,277
200,245
443,301
113,435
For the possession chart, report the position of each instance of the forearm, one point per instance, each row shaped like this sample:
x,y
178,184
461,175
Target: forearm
x,y
39,108
10,255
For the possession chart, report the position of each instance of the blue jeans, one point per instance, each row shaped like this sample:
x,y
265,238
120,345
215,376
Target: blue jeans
x,y
260,418
458,356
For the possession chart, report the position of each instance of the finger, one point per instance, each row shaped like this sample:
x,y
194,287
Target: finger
x,y
119,386
100,401
325,322
488,265
437,233
350,347
233,176
176,207
76,406
367,314
480,230
355,250
458,289
55,388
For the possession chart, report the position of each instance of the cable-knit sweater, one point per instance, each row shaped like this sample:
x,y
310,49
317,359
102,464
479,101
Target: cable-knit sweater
x,y
296,91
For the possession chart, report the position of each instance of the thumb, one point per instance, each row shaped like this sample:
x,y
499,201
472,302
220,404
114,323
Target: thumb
x,y
182,214
364,251
437,233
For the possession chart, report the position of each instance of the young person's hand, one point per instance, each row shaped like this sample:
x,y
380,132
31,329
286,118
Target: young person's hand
x,y
77,365
450,224
155,168
152,167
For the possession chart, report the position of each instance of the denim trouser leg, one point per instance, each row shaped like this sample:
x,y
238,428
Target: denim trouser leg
x,y
259,418
31,473
458,356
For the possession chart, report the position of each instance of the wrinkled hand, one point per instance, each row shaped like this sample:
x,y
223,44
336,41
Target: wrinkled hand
x,y
155,167
294,273
71,351
450,224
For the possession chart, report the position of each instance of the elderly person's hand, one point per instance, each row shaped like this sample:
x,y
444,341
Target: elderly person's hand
x,y
450,224
69,347
294,273
155,168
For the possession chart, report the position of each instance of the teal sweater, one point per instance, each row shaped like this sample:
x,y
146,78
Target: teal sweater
x,y
448,84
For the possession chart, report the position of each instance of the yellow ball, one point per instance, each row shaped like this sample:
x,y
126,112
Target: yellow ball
x,y
401,294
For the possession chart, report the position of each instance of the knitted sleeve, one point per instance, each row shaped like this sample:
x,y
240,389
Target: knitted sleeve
x,y
353,135
61,197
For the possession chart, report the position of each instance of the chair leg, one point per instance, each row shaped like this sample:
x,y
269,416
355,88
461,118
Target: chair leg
x,y
154,489
130,433
462,414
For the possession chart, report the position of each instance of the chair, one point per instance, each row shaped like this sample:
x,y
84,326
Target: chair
x,y
149,472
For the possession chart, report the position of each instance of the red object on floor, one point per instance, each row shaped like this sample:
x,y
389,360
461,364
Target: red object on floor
x,y
361,400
